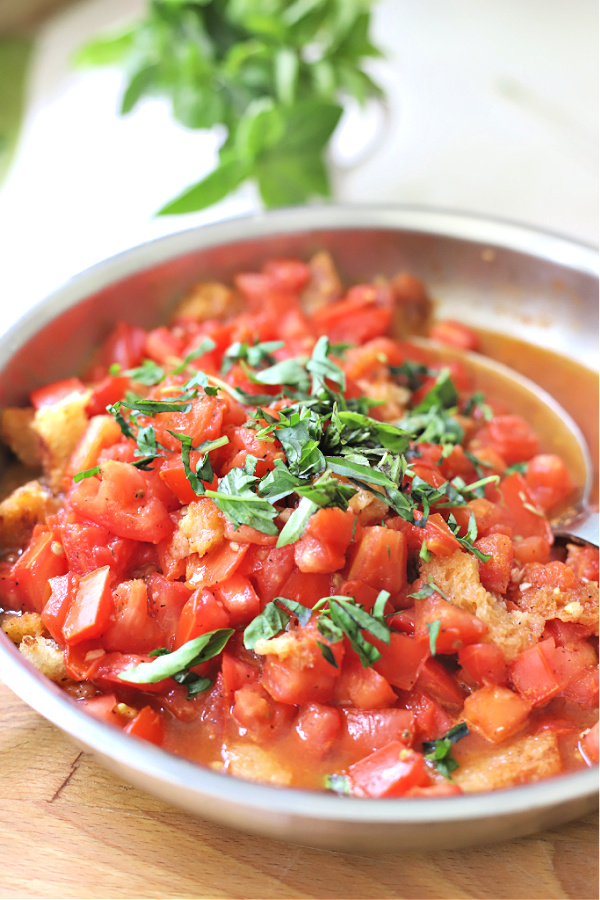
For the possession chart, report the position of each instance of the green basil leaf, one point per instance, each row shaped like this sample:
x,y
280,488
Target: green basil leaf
x,y
190,654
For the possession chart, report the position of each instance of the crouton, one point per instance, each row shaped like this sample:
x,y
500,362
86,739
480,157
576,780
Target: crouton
x,y
202,526
59,427
46,656
523,760
207,300
324,286
18,627
458,577
255,764
17,432
21,510
570,600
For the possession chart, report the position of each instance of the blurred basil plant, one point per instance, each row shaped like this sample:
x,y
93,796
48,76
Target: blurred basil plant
x,y
273,74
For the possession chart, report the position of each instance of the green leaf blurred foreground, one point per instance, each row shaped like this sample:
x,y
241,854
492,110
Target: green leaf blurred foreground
x,y
14,60
272,73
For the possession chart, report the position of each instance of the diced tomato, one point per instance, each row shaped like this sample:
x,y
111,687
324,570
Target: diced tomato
x,y
494,573
54,613
236,673
363,687
447,331
41,561
381,351
486,515
288,274
166,600
583,561
259,713
219,564
438,537
401,660
381,559
389,772
90,610
531,549
549,481
56,392
484,663
496,712
148,725
245,534
202,613
239,599
584,691
436,680
317,727
296,671
106,392
511,436
361,593
306,588
202,423
364,314
124,347
84,659
89,546
131,628
518,510
121,500
566,632
589,745
431,721
322,548
110,666
457,626
268,568
366,730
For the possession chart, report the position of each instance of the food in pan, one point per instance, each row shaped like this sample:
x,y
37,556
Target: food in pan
x,y
274,539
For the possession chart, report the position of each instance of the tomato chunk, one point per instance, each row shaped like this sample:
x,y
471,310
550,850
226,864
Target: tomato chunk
x,y
389,772
91,608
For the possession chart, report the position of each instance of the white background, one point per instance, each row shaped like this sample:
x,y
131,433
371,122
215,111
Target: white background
x,y
493,109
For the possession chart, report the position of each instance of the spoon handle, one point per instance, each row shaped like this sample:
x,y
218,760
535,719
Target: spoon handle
x,y
582,528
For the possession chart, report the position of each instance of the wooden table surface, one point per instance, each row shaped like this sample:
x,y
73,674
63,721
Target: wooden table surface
x,y
70,829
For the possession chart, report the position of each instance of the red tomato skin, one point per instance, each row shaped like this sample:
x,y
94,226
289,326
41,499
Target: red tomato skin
x,y
122,502
318,727
362,687
367,730
389,772
202,613
239,599
268,568
549,481
496,712
494,573
90,610
53,393
457,626
484,663
401,660
447,331
301,674
511,436
148,725
322,548
131,628
54,613
33,569
218,565
380,560
431,721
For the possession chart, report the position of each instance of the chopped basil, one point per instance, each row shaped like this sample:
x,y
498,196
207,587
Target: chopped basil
x,y
87,473
434,629
170,665
439,752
